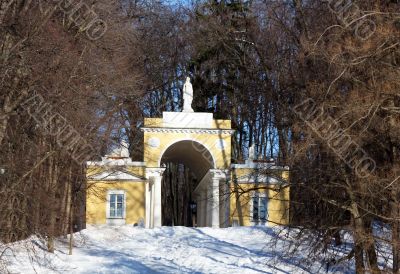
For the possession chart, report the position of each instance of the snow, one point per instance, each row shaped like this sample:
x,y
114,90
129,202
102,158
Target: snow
x,y
128,249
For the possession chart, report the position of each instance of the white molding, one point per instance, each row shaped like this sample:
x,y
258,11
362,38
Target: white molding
x,y
260,178
115,221
154,172
264,166
187,130
115,175
219,173
115,162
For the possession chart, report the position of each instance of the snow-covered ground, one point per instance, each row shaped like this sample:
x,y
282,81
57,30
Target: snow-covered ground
x,y
128,249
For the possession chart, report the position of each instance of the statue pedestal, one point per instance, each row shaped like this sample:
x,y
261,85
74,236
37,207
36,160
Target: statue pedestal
x,y
187,119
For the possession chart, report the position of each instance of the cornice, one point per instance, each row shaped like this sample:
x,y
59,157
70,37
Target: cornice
x,y
188,130
154,171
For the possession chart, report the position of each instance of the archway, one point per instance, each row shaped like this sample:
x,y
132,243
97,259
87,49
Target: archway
x,y
186,163
203,145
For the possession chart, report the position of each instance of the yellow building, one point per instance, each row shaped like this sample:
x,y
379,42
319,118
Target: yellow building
x,y
259,194
115,191
120,191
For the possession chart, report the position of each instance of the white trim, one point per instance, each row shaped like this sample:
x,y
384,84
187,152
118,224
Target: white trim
x,y
115,221
105,161
259,166
186,139
114,175
154,172
259,178
110,220
188,130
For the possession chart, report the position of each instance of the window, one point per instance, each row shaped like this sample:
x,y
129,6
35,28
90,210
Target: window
x,y
259,208
116,204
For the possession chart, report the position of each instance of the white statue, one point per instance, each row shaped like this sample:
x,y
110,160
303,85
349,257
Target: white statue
x,y
187,96
252,152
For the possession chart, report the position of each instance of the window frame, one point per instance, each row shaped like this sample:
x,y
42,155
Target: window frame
x,y
117,192
258,196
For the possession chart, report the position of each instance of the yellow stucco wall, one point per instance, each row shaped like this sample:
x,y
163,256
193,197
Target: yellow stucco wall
x,y
136,170
278,203
152,155
96,194
278,198
279,173
96,198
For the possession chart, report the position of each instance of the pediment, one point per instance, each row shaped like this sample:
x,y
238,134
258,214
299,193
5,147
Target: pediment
x,y
115,175
260,178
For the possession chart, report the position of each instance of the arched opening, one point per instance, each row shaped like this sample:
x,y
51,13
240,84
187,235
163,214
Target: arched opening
x,y
186,162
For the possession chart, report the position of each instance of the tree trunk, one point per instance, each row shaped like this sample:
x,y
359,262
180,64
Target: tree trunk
x,y
71,228
4,6
283,151
66,202
358,229
53,176
396,246
370,248
395,213
3,127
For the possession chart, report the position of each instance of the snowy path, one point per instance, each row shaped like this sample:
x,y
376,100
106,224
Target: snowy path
x,y
129,249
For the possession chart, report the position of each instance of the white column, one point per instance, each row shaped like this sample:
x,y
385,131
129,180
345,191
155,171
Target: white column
x,y
154,176
151,202
214,187
157,202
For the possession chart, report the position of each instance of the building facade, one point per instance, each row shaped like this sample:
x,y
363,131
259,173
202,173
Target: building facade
x,y
121,191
